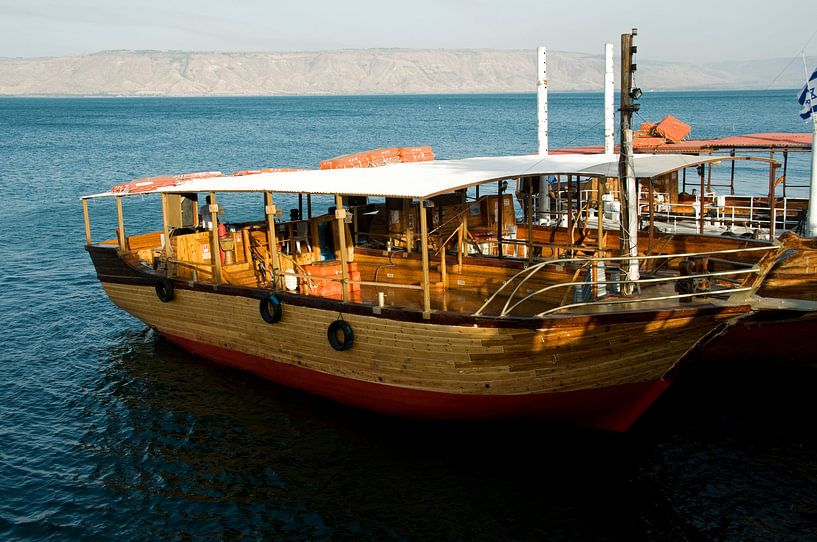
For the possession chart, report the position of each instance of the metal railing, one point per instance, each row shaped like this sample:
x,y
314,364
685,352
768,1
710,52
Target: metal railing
x,y
524,275
716,212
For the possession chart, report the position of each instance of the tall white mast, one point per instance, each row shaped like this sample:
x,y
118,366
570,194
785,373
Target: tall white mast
x,y
542,99
543,205
609,89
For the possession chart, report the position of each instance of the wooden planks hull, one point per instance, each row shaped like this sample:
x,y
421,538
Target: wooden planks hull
x,y
600,370
796,276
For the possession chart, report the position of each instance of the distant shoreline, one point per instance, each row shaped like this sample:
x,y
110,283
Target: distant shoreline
x,y
364,95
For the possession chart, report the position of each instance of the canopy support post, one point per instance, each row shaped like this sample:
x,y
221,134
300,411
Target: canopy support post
x,y
215,250
270,211
529,215
340,215
500,209
462,237
732,175
424,253
602,184
772,202
785,170
702,173
120,231
87,221
651,195
166,230
443,269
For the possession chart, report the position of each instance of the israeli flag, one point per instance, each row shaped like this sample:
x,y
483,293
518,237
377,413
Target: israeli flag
x,y
808,97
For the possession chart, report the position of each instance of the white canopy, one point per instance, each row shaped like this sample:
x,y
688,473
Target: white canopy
x,y
426,179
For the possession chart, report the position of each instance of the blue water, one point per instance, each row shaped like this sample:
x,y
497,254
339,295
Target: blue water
x,y
107,432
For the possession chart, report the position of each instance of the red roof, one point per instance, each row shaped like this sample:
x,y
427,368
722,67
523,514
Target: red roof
x,y
769,141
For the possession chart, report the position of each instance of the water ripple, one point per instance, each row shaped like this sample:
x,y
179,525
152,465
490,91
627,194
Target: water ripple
x,y
108,432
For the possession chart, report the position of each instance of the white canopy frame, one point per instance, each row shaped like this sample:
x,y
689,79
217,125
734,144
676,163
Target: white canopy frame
x,y
423,180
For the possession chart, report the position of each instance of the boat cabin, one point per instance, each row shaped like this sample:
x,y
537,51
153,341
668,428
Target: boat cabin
x,y
450,236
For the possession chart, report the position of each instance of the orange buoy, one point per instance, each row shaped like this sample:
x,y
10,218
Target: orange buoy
x,y
148,184
264,170
379,157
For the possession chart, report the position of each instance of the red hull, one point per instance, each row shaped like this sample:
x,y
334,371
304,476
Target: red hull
x,y
613,408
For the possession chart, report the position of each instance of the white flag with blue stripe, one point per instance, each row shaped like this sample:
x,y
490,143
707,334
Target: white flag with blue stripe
x,y
808,97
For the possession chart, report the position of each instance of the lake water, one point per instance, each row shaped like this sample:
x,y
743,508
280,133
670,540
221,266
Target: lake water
x,y
108,432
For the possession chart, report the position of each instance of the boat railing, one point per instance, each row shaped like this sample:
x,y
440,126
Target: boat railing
x,y
716,211
730,285
341,280
715,214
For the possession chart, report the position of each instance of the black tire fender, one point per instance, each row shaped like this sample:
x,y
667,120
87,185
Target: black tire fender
x,y
340,335
165,290
271,310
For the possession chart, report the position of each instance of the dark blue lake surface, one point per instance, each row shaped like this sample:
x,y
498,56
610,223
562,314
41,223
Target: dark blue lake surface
x,y
108,432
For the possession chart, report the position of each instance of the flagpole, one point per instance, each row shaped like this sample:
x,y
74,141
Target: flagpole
x,y
811,215
811,230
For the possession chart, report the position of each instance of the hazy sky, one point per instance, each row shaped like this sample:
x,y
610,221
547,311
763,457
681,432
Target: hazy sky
x,y
689,30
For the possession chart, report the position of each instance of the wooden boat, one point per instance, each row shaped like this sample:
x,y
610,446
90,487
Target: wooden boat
x,y
378,304
674,218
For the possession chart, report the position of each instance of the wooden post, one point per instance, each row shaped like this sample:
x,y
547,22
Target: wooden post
x,y
215,249
443,269
340,215
529,212
785,170
120,232
87,221
424,251
702,174
308,206
462,236
772,202
245,240
355,226
602,186
165,229
500,209
709,177
732,175
652,215
407,211
269,209
570,209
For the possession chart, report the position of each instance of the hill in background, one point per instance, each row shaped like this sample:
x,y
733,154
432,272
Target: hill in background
x,y
364,71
